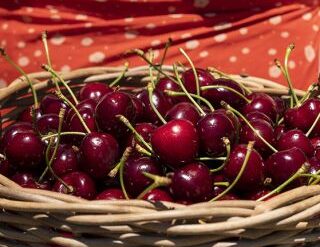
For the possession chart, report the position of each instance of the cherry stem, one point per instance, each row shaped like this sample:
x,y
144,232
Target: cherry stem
x,y
205,101
313,125
142,150
186,92
219,168
150,93
120,76
56,75
228,107
243,167
210,158
225,184
44,138
307,95
222,74
316,180
227,144
137,136
301,170
21,71
123,160
69,103
166,48
193,70
157,182
204,88
46,48
150,68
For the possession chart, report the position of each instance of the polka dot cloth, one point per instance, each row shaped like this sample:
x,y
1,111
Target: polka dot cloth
x,y
235,36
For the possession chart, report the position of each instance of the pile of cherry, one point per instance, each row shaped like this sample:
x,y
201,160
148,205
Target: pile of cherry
x,y
185,138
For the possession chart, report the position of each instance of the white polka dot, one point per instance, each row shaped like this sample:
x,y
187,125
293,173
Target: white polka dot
x,y
65,68
55,17
171,9
233,59
29,9
204,54
128,19
37,53
176,16
243,31
192,44
53,11
155,42
58,39
81,17
87,41
97,57
31,30
245,50
307,16
210,14
200,3
88,24
186,35
130,34
284,34
309,53
151,26
21,44
315,28
23,61
275,20
274,71
3,42
272,51
3,83
292,64
220,37
5,26
222,26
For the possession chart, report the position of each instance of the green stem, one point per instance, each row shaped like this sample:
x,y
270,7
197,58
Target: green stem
x,y
225,184
121,76
243,167
123,160
150,93
210,158
46,48
166,48
150,69
219,168
142,150
313,125
44,138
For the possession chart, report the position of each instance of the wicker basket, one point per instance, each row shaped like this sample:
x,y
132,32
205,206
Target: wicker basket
x,y
29,216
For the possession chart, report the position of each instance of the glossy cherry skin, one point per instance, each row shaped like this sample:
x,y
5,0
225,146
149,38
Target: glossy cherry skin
x,y
281,105
263,103
94,91
25,150
26,114
87,116
229,196
156,195
282,165
184,110
28,180
134,179
99,153
167,84
264,129
279,131
257,115
176,142
159,100
145,130
47,123
138,108
212,128
192,182
255,195
216,95
205,79
314,165
253,174
52,104
111,194
82,185
4,166
111,105
295,138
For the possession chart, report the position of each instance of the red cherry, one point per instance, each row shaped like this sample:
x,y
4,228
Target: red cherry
x,y
158,195
47,123
184,110
52,104
94,91
111,194
205,79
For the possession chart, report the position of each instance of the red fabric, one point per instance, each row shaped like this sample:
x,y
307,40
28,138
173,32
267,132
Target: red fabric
x,y
234,36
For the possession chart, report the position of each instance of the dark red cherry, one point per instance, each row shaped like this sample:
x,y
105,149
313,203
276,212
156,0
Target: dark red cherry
x,y
216,95
283,164
26,115
234,119
111,194
167,84
111,105
212,128
255,195
4,166
28,180
315,142
253,174
52,104
138,108
184,110
94,91
281,105
145,130
81,185
192,182
295,138
204,76
87,104
25,150
261,102
159,100
156,195
176,142
99,153
314,165
279,131
134,179
257,115
47,123
87,116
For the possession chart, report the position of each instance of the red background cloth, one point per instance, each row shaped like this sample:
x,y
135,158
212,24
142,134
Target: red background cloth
x,y
234,36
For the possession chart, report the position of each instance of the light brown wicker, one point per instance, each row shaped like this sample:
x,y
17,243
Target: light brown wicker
x,y
29,216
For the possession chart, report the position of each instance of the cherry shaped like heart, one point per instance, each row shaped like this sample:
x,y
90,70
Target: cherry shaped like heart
x,y
176,142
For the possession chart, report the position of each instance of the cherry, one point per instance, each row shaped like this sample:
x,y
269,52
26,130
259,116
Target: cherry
x,y
99,153
47,123
110,194
4,166
314,165
80,184
145,130
257,115
205,79
184,110
26,114
138,108
134,179
159,100
158,195
279,131
192,182
111,105
212,128
281,105
282,165
255,195
176,142
52,104
25,150
75,123
253,173
28,180
295,138
94,91
263,103
167,84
